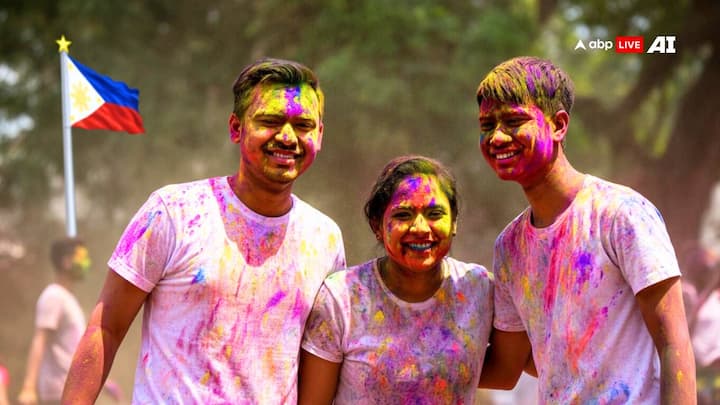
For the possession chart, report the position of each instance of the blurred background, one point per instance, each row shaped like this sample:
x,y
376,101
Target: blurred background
x,y
399,77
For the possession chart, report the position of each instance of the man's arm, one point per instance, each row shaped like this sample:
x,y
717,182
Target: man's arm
x,y
28,394
110,320
662,309
317,379
506,357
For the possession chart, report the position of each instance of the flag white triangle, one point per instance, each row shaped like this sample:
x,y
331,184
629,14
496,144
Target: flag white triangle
x,y
84,99
580,44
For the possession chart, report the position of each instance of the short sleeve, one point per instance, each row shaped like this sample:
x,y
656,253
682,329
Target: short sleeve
x,y
324,328
641,244
144,248
506,316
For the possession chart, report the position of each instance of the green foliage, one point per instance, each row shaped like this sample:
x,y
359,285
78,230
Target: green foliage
x,y
399,77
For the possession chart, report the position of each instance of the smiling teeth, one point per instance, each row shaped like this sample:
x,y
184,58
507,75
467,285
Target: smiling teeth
x,y
419,246
504,155
283,155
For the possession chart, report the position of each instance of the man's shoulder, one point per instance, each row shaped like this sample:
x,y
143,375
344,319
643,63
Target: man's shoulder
x,y
54,289
188,186
514,226
190,194
310,214
611,199
55,294
606,189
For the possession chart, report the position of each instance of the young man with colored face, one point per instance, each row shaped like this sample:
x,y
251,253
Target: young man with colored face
x,y
587,282
226,267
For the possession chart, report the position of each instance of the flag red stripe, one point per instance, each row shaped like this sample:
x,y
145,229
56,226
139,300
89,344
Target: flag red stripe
x,y
113,117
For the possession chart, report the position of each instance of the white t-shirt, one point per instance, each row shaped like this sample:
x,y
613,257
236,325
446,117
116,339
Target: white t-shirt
x,y
572,287
59,312
230,291
396,352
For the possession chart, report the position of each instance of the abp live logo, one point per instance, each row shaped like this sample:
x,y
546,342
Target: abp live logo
x,y
634,44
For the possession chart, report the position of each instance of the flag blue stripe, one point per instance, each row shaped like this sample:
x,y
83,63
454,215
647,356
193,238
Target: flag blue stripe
x,y
110,90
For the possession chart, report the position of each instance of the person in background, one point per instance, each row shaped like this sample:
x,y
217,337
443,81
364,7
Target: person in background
x,y
710,229
226,268
586,276
704,315
59,324
408,327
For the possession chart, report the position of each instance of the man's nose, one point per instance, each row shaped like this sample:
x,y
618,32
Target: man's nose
x,y
286,135
498,137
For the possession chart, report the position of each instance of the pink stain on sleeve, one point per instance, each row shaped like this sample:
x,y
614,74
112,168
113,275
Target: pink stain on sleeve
x,y
194,222
136,230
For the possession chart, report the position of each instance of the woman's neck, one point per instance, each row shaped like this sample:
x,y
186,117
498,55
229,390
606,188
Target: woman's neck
x,y
410,286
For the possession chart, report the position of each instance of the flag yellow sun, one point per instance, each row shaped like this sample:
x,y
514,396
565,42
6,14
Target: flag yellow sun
x,y
80,98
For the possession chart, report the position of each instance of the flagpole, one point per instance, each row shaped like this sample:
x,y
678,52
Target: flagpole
x,y
70,225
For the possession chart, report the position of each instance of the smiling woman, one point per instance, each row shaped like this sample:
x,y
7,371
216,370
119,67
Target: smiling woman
x,y
408,327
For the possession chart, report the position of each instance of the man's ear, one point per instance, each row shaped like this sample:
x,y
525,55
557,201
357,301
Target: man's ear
x,y
560,122
235,128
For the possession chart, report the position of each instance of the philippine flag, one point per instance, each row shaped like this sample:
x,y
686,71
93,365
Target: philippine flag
x,y
99,102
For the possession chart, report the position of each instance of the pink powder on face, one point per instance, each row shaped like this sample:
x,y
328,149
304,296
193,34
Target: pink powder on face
x,y
544,142
292,95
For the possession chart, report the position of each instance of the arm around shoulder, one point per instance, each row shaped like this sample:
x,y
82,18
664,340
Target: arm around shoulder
x,y
317,379
506,357
110,320
662,309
